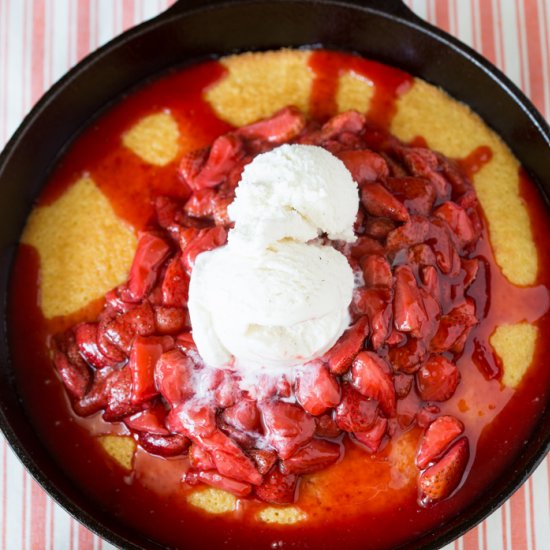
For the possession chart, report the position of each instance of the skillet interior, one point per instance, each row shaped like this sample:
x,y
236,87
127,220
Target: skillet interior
x,y
199,29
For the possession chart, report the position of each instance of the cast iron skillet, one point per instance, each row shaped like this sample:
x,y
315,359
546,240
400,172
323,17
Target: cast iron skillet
x,y
379,29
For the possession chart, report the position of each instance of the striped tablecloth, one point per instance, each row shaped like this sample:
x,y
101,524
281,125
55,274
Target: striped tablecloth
x,y
41,39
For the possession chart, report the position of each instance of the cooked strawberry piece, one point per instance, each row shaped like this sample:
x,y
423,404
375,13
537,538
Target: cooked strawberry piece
x,y
433,311
222,156
413,232
119,396
170,320
355,413
364,165
439,435
112,352
150,420
402,383
86,340
146,351
115,302
417,194
408,357
200,459
376,271
185,343
424,162
193,418
470,268
340,356
277,488
169,214
264,458
318,454
454,328
426,415
201,203
443,244
365,245
97,396
175,284
370,375
376,304
212,478
420,255
396,338
76,377
287,426
227,392
163,445
232,462
378,228
243,415
378,201
458,221
284,387
440,480
205,239
430,279
122,330
191,164
316,389
283,126
151,251
348,122
372,438
437,379
408,307
326,426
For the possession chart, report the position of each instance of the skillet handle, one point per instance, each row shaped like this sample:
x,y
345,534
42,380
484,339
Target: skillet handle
x,y
390,7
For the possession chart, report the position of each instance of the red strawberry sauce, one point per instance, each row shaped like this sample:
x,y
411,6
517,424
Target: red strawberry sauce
x,y
495,421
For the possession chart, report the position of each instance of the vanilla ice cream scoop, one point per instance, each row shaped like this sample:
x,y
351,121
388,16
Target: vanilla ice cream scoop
x,y
272,297
278,307
296,192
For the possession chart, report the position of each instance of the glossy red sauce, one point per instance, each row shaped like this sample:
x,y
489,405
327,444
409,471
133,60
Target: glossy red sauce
x,y
151,499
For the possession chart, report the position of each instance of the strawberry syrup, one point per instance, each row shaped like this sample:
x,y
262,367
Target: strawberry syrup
x,y
151,499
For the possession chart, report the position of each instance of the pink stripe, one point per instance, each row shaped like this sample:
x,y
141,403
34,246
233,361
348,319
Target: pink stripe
x,y
471,540
519,523
534,52
37,51
83,29
504,527
127,14
500,35
38,516
24,511
442,18
520,24
546,46
532,514
484,535
85,538
52,522
5,57
488,43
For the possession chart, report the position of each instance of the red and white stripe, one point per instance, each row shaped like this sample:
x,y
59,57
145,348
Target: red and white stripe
x,y
41,39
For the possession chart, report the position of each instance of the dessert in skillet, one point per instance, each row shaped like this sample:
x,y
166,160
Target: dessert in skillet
x,y
262,292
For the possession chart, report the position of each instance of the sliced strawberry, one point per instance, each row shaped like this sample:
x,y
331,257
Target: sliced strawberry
x,y
175,285
426,415
277,488
379,228
458,221
318,454
437,379
347,122
444,244
378,201
370,376
193,418
73,370
372,438
413,232
316,389
340,356
97,396
163,445
205,239
146,351
355,413
402,383
470,268
375,303
171,320
119,396
243,415
191,164
287,426
264,458
86,340
173,376
408,307
438,436
283,126
150,420
364,165
238,488
232,462
440,480
417,194
408,357
454,328
376,271
365,245
326,426
151,251
200,458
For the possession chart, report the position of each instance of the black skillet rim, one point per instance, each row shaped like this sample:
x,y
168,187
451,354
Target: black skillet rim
x,y
391,9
